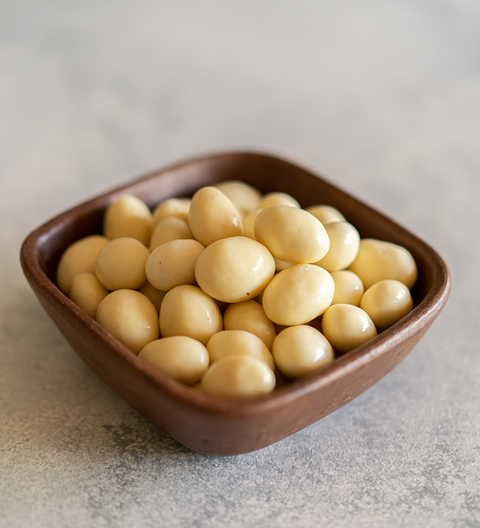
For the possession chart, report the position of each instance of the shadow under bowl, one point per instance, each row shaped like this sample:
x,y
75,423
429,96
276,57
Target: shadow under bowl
x,y
201,422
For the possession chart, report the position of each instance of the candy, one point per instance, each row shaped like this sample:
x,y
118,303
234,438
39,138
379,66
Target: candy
x,y
243,196
79,257
176,207
238,376
128,216
234,269
295,286
298,294
250,316
213,216
344,245
301,350
386,302
325,213
181,357
173,264
347,326
229,342
189,311
379,260
121,264
87,292
291,234
348,287
130,317
168,229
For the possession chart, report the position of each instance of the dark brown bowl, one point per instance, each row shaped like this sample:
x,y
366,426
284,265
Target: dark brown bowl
x,y
220,426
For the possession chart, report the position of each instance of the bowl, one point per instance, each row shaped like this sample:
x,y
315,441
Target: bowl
x,y
204,423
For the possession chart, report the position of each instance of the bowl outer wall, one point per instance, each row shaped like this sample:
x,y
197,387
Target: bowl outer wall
x,y
212,425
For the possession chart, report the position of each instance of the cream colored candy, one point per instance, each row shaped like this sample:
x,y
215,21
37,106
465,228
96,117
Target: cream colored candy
x,y
238,376
277,198
130,317
168,229
187,310
298,294
347,326
128,216
213,216
379,260
173,264
87,292
280,265
181,357
291,234
250,316
344,244
177,207
79,257
243,196
348,287
325,213
121,264
301,350
249,223
386,302
228,342
234,269
154,294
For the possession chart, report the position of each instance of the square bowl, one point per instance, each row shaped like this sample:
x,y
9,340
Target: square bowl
x,y
204,423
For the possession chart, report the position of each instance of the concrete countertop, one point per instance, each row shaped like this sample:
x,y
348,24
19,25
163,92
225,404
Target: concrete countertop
x,y
382,98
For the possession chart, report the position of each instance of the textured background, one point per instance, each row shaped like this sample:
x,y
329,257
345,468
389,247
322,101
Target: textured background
x,y
381,97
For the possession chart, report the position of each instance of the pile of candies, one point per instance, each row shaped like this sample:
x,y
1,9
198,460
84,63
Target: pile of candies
x,y
231,290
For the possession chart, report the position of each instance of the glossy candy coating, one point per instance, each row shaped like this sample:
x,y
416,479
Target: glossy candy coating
x,y
348,287
128,216
238,376
189,311
386,302
181,357
298,294
130,317
243,196
301,350
234,269
87,292
176,207
121,264
344,244
347,326
228,342
379,260
213,216
250,316
170,228
291,234
325,213
79,257
173,264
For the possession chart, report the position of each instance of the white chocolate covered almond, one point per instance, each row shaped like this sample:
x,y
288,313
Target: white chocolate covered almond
x,y
238,376
298,294
379,260
291,234
213,216
234,269
301,350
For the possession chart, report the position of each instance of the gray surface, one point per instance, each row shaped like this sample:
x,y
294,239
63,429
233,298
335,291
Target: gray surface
x,y
382,97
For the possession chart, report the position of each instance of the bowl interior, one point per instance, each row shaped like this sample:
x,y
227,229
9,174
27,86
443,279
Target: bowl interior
x,y
213,425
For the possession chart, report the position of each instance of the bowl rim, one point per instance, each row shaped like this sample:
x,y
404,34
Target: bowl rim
x,y
428,308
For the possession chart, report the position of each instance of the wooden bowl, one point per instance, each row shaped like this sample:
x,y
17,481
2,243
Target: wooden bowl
x,y
201,422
